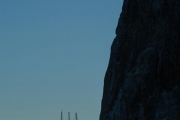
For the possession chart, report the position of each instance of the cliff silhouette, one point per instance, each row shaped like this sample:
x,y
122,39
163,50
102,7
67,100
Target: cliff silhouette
x,y
142,81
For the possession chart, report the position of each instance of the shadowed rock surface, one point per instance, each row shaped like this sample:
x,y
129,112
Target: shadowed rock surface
x,y
142,81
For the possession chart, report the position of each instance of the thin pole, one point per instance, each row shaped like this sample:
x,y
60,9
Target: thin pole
x,y
76,116
68,115
61,115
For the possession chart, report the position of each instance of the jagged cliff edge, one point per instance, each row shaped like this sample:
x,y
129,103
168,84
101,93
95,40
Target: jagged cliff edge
x,y
142,81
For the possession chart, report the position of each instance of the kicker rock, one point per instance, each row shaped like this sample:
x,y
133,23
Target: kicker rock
x,y
142,81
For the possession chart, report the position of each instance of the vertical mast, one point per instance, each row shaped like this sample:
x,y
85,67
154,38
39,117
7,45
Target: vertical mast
x,y
61,115
68,115
76,116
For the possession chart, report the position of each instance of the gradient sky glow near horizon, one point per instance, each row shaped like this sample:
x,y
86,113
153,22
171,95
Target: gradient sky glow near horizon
x,y
54,55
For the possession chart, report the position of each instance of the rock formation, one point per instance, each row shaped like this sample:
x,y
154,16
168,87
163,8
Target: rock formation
x,y
142,81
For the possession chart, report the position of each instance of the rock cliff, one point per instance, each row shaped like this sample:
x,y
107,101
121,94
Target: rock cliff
x,y
142,81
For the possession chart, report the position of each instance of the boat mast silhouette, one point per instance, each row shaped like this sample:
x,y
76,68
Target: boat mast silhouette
x,y
76,116
69,117
61,115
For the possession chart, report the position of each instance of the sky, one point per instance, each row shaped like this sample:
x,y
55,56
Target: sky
x,y
53,57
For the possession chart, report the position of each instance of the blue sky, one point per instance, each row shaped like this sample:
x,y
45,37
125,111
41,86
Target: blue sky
x,y
54,54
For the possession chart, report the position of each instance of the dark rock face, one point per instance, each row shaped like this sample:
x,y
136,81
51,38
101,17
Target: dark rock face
x,y
142,81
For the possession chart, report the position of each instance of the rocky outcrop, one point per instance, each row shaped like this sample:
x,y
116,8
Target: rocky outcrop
x,y
142,81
